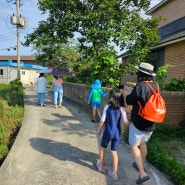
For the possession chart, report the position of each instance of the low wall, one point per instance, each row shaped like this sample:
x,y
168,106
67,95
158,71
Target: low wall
x,y
175,101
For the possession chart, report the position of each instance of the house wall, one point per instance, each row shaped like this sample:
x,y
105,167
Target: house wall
x,y
175,105
172,10
9,74
175,55
28,76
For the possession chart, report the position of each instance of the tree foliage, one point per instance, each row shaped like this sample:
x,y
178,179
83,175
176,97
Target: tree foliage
x,y
97,24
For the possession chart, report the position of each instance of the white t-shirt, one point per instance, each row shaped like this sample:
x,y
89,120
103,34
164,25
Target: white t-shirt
x,y
123,114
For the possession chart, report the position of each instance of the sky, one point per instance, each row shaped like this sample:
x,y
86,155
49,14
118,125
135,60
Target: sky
x,y
32,15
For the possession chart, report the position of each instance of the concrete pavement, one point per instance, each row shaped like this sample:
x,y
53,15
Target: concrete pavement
x,y
60,146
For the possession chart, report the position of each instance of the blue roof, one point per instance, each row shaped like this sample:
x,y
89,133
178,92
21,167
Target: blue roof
x,y
28,66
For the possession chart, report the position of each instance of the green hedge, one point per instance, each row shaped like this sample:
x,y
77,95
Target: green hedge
x,y
11,114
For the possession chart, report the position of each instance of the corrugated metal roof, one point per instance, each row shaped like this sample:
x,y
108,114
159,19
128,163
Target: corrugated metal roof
x,y
29,66
22,57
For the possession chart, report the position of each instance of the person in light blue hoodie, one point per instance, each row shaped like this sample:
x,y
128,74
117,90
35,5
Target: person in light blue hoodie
x,y
95,95
41,87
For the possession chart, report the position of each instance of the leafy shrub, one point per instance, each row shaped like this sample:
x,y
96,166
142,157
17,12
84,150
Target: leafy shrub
x,y
176,85
182,123
11,114
49,78
12,90
162,75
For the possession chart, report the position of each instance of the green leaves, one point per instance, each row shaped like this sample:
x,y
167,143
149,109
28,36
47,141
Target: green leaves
x,y
96,24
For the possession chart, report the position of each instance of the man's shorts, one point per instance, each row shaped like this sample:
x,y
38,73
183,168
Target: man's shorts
x,y
137,136
96,104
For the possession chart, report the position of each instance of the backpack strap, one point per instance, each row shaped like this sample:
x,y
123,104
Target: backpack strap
x,y
151,88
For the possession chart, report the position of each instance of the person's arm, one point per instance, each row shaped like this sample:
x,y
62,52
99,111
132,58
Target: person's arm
x,y
100,127
124,120
103,94
103,118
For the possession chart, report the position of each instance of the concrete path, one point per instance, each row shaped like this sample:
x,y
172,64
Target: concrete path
x,y
60,147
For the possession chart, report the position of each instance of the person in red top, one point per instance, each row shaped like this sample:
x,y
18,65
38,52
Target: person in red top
x,y
57,91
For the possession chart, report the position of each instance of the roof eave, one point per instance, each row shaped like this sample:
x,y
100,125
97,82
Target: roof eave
x,y
168,43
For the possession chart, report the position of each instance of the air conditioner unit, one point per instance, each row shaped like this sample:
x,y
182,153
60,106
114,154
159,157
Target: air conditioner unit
x,y
13,20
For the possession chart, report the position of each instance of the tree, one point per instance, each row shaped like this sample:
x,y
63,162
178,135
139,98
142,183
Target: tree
x,y
98,23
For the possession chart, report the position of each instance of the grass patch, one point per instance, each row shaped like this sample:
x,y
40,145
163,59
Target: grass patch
x,y
11,115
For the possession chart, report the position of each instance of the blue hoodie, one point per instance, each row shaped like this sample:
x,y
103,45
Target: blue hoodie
x,y
96,92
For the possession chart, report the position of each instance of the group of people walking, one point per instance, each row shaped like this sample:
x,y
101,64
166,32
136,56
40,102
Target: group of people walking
x,y
114,120
41,87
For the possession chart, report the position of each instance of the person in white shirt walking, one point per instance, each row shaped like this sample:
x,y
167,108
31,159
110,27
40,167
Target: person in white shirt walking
x,y
41,88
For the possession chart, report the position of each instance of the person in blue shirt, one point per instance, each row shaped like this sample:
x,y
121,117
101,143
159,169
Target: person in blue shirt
x,y
113,119
95,95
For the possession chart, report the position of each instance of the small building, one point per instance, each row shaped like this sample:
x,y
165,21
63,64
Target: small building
x,y
28,72
170,49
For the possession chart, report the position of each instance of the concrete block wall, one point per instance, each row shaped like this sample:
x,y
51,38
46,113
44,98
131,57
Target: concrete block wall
x,y
78,93
175,101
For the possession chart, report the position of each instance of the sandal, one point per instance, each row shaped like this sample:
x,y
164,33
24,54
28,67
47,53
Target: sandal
x,y
140,181
114,177
99,167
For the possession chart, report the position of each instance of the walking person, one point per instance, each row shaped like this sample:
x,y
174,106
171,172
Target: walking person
x,y
113,119
41,88
95,95
57,91
140,129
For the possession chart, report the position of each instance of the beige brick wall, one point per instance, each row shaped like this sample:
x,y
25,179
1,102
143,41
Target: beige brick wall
x,y
175,55
175,105
172,10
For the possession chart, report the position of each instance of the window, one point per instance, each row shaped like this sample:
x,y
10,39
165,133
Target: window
x,y
23,73
1,71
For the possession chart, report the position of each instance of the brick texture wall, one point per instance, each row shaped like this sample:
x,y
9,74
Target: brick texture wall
x,y
175,55
172,10
175,101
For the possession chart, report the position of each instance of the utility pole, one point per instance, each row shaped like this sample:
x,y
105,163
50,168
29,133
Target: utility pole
x,y
20,22
18,40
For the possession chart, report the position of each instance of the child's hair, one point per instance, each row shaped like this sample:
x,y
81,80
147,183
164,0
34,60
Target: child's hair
x,y
116,99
